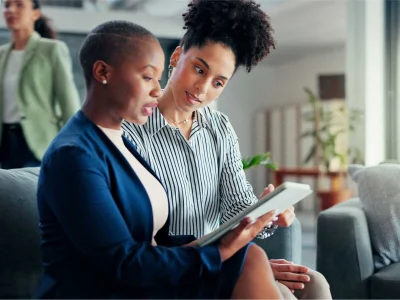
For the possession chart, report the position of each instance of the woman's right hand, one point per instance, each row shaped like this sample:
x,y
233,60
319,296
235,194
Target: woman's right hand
x,y
237,238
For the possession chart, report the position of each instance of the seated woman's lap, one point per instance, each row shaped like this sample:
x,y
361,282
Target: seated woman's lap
x,y
219,285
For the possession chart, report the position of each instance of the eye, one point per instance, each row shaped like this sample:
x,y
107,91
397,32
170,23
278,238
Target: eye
x,y
218,84
199,70
147,78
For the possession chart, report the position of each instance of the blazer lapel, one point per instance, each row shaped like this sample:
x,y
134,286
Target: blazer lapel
x,y
30,50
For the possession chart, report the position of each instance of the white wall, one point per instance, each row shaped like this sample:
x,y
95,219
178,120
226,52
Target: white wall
x,y
249,94
366,76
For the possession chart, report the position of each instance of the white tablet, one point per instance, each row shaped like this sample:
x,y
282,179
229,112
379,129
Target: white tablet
x,y
284,196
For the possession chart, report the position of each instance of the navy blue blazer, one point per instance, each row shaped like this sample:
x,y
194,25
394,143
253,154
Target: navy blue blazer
x,y
96,225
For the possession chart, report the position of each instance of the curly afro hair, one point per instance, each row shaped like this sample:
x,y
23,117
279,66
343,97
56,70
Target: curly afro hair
x,y
239,24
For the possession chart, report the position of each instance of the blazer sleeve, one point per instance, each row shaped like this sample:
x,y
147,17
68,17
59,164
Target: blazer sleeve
x,y
77,190
65,91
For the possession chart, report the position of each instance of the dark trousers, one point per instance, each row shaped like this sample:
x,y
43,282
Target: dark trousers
x,y
14,151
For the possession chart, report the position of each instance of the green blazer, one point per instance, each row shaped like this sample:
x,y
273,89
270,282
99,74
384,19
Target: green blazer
x,y
46,95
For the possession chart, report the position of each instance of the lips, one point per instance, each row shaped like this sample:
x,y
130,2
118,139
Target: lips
x,y
10,19
148,108
192,99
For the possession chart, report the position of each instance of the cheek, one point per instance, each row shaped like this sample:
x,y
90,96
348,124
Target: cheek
x,y
138,96
213,93
184,76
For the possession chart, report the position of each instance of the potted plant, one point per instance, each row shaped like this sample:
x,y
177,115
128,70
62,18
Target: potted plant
x,y
330,130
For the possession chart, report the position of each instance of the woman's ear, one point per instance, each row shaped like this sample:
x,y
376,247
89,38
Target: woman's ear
x,y
175,56
101,71
36,15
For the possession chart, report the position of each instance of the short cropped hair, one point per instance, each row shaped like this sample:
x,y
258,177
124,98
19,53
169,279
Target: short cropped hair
x,y
109,42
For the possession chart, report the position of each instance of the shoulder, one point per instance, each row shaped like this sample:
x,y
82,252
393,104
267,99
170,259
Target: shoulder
x,y
75,143
53,48
51,43
131,127
218,121
133,131
4,48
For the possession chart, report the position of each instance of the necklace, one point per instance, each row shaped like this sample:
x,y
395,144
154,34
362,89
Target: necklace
x,y
179,122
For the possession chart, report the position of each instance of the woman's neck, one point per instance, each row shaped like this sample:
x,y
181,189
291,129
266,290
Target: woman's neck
x,y
99,113
170,110
20,38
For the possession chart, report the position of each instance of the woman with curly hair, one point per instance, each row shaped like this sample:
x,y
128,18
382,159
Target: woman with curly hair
x,y
194,149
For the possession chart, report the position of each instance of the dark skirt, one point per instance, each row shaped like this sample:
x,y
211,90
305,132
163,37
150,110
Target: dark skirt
x,y
210,286
221,285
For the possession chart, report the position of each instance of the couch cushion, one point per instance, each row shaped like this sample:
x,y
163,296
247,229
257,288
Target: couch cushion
x,y
379,192
20,260
385,284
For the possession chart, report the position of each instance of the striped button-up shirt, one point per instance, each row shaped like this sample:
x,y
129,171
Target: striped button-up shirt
x,y
203,176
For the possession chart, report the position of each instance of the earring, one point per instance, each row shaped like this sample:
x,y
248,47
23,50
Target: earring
x,y
104,81
170,69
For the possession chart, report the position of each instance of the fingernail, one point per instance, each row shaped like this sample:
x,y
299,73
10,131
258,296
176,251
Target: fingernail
x,y
275,219
250,220
269,224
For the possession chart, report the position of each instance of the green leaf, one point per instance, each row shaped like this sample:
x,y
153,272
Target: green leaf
x,y
310,154
263,159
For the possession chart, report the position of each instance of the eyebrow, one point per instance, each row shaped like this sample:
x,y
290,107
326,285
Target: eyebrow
x,y
150,66
208,67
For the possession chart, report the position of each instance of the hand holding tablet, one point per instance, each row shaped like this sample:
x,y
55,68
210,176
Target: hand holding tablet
x,y
284,196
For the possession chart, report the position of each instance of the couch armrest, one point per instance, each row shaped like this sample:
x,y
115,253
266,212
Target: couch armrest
x,y
284,243
344,253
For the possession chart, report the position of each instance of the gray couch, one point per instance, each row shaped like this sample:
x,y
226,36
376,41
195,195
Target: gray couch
x,y
20,264
345,257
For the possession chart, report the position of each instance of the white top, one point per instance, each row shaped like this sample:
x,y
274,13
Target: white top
x,y
10,86
154,189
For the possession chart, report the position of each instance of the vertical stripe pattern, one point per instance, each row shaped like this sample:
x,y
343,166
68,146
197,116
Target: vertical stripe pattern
x,y
203,176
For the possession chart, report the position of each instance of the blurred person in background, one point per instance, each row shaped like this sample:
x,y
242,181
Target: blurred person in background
x,y
37,90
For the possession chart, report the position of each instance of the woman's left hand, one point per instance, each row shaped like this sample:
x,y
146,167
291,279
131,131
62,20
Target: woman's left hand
x,y
286,218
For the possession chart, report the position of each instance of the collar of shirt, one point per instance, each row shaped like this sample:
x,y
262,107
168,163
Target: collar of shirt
x,y
156,121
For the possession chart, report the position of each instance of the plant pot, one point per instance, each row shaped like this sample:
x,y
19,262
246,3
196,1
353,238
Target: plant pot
x,y
331,198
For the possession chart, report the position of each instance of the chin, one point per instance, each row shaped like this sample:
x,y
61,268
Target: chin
x,y
142,121
12,27
138,120
186,107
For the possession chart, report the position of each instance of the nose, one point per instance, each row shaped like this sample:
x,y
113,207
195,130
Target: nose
x,y
156,92
202,86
